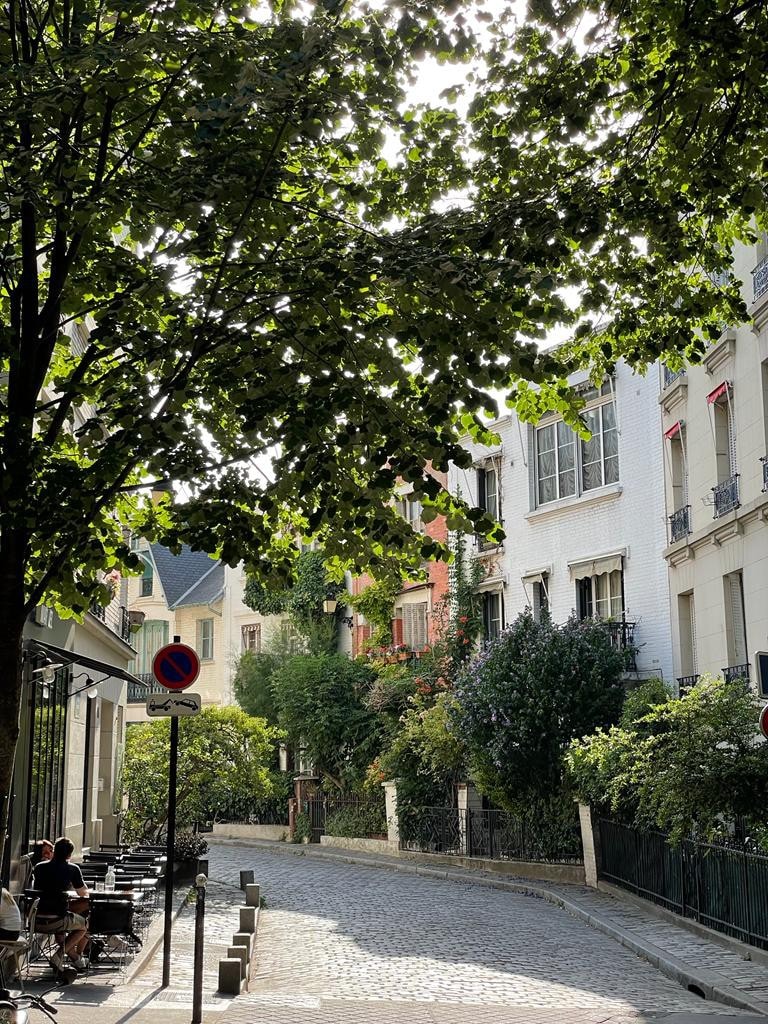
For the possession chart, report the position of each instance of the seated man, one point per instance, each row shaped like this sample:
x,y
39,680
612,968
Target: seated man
x,y
54,879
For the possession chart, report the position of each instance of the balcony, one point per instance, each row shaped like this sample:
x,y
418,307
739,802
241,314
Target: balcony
x,y
760,279
726,496
686,683
622,636
114,617
680,524
734,672
138,694
764,461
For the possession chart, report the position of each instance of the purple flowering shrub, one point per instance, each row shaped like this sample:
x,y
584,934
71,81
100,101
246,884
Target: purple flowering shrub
x,y
526,696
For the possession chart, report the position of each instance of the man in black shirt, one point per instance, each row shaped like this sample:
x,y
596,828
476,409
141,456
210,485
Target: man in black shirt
x,y
54,879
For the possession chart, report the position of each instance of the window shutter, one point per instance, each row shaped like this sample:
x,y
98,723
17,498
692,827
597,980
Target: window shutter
x,y
731,437
415,625
481,493
694,655
737,618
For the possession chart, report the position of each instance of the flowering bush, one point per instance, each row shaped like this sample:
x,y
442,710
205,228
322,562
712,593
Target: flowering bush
x,y
527,695
684,765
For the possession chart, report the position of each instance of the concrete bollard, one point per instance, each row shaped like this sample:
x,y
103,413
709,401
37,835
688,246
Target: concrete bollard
x,y
252,894
231,976
246,878
248,919
244,939
239,953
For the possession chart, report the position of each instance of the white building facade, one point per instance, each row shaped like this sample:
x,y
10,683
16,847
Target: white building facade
x,y
715,427
585,520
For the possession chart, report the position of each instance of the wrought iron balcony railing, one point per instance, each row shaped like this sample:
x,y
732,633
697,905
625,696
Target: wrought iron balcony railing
x,y
760,279
622,636
686,683
734,672
114,617
764,461
726,495
137,694
680,523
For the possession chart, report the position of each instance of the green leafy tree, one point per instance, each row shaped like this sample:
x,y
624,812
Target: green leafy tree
x,y
224,757
321,706
686,765
198,270
252,683
527,695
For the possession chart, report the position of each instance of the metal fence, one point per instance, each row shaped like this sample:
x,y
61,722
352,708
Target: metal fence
x,y
719,886
490,834
323,806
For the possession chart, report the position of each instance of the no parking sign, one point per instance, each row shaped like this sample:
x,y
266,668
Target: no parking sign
x,y
176,666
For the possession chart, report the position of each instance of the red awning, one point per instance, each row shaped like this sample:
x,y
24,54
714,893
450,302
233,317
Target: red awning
x,y
719,391
674,430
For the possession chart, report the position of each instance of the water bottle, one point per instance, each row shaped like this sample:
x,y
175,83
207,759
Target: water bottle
x,y
109,879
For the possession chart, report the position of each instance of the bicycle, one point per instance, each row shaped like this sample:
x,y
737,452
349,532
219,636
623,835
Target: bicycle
x,y
13,1009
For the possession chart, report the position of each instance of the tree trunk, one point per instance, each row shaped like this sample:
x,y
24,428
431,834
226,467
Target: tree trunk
x,y
11,635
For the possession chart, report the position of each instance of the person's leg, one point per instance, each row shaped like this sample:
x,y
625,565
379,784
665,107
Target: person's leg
x,y
76,943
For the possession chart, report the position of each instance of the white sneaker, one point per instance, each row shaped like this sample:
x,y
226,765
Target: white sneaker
x,y
58,959
80,963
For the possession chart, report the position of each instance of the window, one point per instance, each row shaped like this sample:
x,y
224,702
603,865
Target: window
x,y
678,466
555,462
205,639
689,662
414,616
540,606
488,491
721,404
736,627
493,614
600,596
559,474
147,579
251,637
410,510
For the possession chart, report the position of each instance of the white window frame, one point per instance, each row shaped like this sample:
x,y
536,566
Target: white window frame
x,y
603,398
492,626
205,639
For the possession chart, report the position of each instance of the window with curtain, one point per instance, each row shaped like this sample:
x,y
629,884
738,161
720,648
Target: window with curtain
x,y
493,614
566,465
150,638
600,596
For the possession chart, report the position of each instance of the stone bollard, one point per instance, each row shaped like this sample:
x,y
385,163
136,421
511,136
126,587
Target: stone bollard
x,y
230,975
252,895
248,919
246,878
239,953
244,939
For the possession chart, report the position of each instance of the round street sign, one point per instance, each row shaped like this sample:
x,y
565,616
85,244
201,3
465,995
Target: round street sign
x,y
176,666
764,721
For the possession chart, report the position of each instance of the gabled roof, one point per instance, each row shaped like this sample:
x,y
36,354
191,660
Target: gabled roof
x,y
191,577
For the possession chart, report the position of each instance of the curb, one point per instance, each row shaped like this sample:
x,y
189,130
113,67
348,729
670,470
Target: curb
x,y
149,949
700,981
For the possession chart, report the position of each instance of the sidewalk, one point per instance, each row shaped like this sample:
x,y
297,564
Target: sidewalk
x,y
698,963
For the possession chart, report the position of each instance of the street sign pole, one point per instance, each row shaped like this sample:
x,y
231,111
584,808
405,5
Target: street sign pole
x,y
168,923
175,666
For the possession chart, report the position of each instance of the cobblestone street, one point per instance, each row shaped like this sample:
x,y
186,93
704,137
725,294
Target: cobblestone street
x,y
346,943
